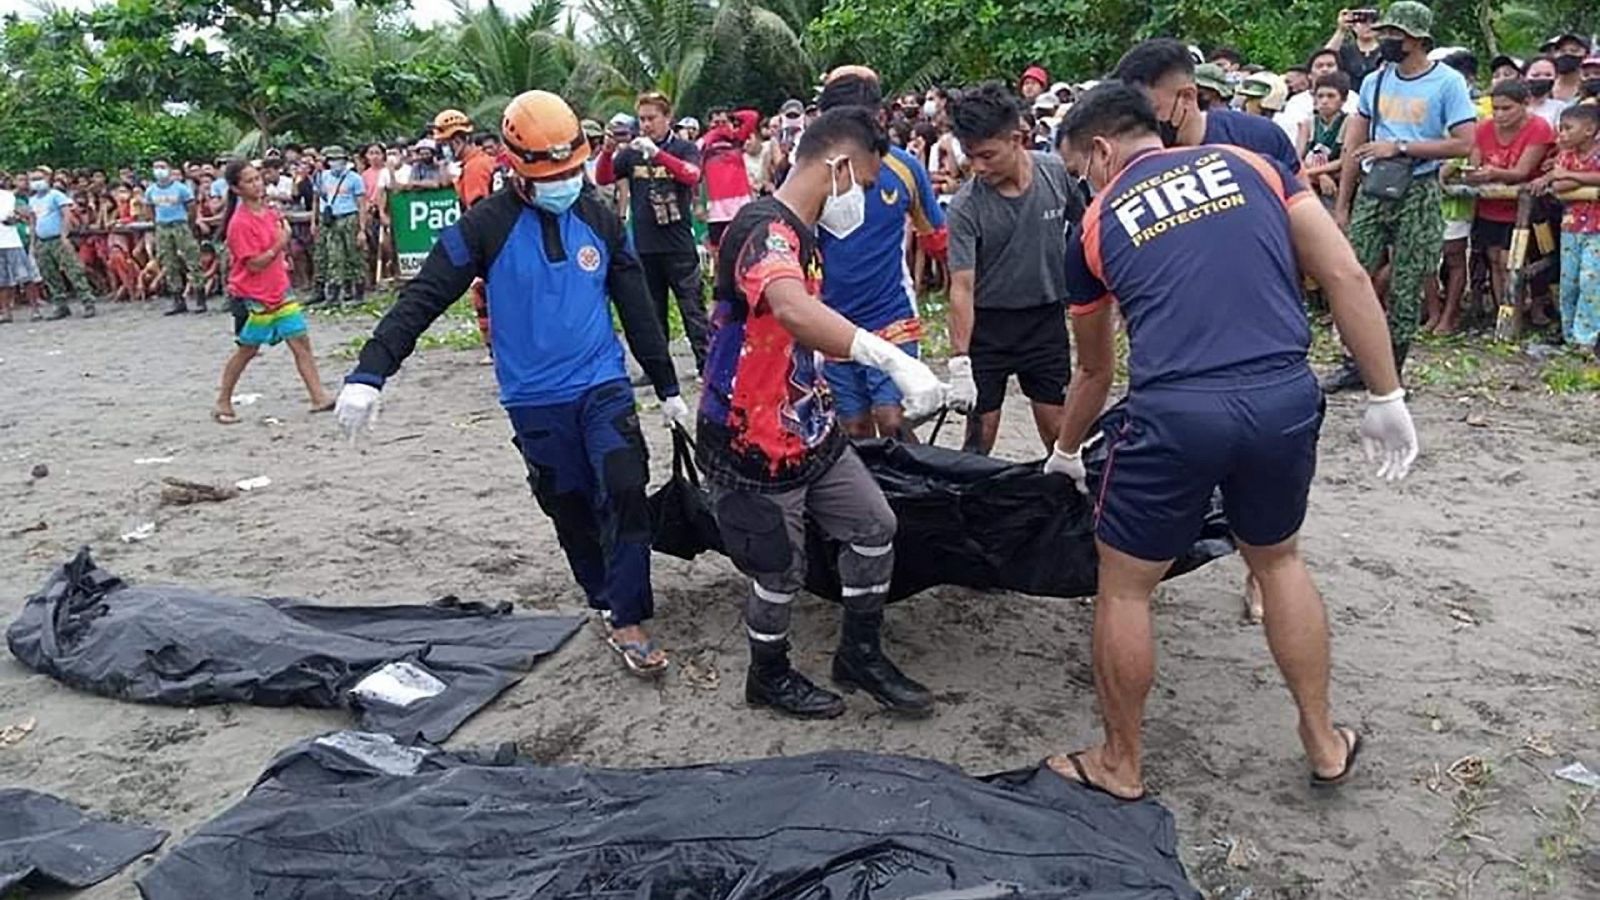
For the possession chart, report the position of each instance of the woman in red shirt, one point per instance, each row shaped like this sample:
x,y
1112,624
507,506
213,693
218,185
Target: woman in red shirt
x,y
258,287
1508,150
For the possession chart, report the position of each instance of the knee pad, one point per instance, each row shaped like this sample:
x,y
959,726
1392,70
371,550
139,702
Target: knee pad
x,y
757,539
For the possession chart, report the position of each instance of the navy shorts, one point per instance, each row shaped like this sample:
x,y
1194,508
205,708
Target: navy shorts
x,y
858,389
1168,447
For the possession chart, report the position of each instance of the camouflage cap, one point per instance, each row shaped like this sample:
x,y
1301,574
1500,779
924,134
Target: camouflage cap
x,y
1411,17
1210,75
334,151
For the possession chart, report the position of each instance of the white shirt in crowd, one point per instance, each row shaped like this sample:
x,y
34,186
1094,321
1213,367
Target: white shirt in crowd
x,y
281,191
10,237
1549,109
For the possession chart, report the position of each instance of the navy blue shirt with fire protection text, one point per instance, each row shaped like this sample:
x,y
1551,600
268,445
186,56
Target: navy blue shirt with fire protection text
x,y
1193,245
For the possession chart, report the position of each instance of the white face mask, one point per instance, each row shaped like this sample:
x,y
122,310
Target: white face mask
x,y
930,109
843,213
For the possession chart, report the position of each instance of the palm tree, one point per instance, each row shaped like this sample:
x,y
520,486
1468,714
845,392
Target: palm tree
x,y
535,50
700,53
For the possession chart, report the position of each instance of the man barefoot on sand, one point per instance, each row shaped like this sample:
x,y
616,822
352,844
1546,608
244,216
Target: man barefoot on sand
x,y
1203,249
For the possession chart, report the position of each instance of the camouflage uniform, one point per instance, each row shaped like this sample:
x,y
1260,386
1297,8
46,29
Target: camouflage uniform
x,y
179,256
63,273
1412,230
339,262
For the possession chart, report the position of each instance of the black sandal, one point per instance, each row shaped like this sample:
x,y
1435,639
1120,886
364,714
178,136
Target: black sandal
x,y
1352,748
1083,777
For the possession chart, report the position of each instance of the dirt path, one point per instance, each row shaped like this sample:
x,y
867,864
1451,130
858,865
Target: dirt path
x,y
1463,604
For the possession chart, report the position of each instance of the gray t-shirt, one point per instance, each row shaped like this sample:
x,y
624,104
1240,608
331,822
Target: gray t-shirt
x,y
1017,246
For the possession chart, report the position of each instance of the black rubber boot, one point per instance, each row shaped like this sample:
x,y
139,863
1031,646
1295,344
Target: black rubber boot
x,y
61,311
1401,351
359,293
200,303
178,308
1346,378
88,309
860,663
773,683
331,297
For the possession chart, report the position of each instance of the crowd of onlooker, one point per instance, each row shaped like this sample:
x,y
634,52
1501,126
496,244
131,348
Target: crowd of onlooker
x,y
111,222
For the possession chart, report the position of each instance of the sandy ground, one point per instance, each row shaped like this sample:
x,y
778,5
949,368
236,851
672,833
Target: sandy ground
x,y
1462,603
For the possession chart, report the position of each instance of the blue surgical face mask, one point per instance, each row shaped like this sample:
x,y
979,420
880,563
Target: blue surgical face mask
x,y
558,196
160,172
337,166
38,185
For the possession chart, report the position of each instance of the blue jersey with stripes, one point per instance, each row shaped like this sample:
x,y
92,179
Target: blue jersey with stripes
x,y
865,277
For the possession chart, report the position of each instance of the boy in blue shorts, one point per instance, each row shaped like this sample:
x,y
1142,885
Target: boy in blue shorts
x,y
1202,249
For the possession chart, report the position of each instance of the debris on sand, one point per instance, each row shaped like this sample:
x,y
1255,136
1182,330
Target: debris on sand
x,y
180,492
13,734
28,529
41,470
153,460
1579,774
142,532
253,484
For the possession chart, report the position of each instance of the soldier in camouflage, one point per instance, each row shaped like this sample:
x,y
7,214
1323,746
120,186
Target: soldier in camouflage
x,y
341,229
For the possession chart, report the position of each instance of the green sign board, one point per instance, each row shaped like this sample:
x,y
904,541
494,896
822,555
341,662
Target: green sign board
x,y
417,217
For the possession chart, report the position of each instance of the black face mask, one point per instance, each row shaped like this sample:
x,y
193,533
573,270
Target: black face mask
x,y
1203,102
1567,64
1591,87
1168,130
1540,87
1392,49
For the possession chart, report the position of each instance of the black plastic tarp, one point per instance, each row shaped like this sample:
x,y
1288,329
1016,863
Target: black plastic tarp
x,y
350,816
964,519
45,840
408,670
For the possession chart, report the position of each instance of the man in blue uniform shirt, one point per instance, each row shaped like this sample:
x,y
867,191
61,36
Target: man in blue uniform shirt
x,y
1202,249
864,273
549,253
1164,70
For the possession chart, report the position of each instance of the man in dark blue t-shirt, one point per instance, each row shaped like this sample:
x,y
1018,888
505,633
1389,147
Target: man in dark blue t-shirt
x,y
1202,251
1163,68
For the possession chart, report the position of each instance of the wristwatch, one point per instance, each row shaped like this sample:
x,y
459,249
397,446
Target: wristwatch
x,y
1404,147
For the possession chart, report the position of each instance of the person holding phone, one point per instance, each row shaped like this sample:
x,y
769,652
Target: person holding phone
x,y
1356,41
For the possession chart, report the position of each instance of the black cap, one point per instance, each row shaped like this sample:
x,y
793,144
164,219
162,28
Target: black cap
x,y
1504,60
1549,45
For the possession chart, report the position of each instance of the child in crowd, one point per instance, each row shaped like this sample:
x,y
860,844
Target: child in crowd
x,y
258,283
1577,166
1323,136
1507,150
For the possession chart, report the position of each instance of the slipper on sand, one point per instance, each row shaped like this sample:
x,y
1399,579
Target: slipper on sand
x,y
224,418
636,656
1076,760
1352,743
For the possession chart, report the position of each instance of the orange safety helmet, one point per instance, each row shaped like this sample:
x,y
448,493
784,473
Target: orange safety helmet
x,y
450,123
542,135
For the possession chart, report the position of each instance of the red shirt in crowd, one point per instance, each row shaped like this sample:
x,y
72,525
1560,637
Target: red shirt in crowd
x,y
251,234
1493,154
1581,216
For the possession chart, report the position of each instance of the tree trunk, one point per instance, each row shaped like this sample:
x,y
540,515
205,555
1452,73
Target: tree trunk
x,y
1486,25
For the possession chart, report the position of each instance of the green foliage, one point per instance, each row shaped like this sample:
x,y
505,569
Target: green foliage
x,y
913,43
55,114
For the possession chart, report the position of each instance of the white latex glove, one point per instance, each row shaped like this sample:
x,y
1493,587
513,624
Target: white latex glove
x,y
675,412
922,393
1069,464
646,146
1388,435
963,390
357,408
